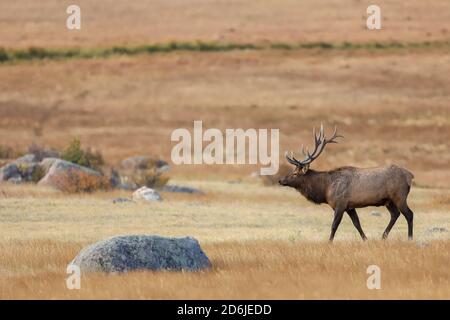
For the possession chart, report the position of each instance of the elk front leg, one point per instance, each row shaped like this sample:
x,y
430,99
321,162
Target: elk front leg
x,y
338,213
355,219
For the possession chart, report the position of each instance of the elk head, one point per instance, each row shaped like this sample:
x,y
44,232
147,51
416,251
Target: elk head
x,y
301,167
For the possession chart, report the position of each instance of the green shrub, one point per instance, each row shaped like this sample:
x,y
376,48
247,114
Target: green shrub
x,y
3,55
87,158
38,174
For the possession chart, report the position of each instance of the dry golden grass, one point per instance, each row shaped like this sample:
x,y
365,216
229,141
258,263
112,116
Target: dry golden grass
x,y
241,270
264,242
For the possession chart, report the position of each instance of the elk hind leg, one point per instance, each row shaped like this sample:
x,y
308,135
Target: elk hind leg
x,y
394,216
409,216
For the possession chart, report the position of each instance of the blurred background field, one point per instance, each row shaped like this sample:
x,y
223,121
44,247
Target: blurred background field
x,y
28,23
388,92
391,106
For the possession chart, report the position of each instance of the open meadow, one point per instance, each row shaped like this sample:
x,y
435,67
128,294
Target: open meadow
x,y
391,103
264,243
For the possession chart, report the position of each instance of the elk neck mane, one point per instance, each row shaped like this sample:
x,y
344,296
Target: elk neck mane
x,y
313,185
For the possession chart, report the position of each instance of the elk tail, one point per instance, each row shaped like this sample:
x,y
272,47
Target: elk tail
x,y
409,176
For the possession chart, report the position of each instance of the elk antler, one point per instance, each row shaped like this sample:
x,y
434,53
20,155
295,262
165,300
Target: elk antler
x,y
319,144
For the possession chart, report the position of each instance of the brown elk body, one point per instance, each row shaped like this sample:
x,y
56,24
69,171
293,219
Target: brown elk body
x,y
347,188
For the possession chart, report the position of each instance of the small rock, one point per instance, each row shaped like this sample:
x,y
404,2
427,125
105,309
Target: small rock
x,y
142,252
9,171
121,200
437,230
16,179
375,214
28,158
147,194
21,170
181,189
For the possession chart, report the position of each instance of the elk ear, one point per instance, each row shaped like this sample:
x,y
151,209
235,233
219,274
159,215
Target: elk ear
x,y
305,168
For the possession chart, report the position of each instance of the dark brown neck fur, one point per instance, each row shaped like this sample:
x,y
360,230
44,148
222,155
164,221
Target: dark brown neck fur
x,y
313,185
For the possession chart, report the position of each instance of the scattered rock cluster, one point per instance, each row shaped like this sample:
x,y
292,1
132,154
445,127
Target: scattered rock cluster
x,y
141,174
29,168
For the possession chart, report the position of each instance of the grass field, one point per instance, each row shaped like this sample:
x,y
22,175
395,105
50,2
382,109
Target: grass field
x,y
245,270
265,238
283,64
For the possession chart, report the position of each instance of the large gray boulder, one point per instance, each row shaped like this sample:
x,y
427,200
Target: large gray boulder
x,y
142,252
46,163
58,168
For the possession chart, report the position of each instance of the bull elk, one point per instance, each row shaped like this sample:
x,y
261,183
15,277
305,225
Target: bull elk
x,y
347,188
